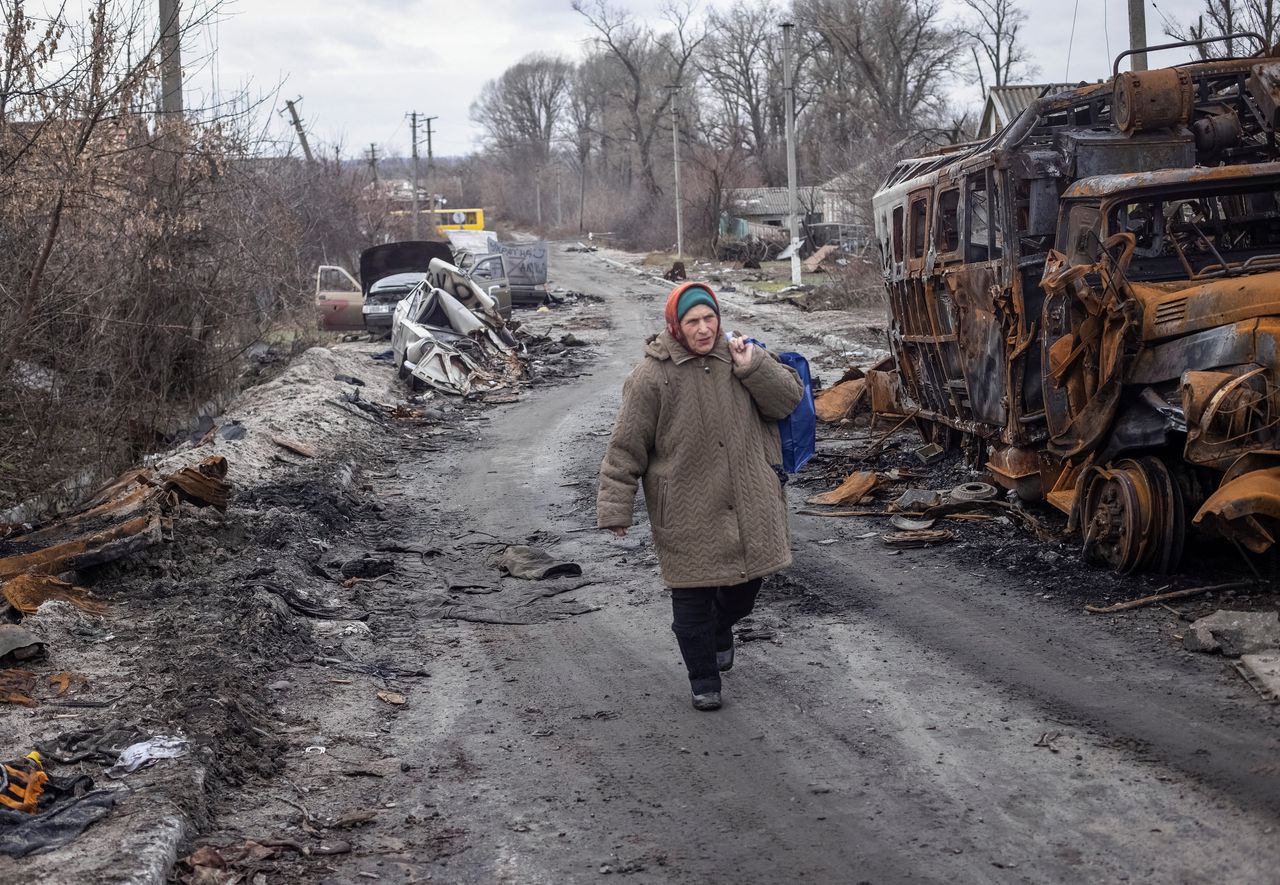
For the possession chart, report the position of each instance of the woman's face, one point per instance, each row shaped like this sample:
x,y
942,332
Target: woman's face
x,y
700,326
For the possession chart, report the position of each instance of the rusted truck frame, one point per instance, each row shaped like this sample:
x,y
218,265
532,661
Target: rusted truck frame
x,y
1089,301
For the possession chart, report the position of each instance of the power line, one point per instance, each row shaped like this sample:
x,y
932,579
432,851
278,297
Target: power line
x,y
1106,27
1066,78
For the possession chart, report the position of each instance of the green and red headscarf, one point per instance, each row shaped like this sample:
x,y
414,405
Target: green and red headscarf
x,y
684,298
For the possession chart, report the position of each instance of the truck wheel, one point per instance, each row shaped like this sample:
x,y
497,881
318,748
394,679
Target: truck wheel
x,y
1133,517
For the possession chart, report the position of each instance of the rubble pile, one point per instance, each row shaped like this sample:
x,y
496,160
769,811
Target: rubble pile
x,y
448,335
41,809
131,513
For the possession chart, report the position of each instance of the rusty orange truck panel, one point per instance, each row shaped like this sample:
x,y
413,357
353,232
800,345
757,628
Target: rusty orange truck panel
x,y
1093,296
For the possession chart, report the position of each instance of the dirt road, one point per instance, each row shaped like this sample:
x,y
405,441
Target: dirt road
x,y
908,719
924,715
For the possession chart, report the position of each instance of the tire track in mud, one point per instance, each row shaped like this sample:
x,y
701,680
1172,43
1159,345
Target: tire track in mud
x,y
1170,707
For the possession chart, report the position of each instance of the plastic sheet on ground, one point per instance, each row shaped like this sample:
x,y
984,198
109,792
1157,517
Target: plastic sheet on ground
x,y
147,752
22,834
102,743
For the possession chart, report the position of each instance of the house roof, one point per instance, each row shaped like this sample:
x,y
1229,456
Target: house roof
x,y
744,201
1004,103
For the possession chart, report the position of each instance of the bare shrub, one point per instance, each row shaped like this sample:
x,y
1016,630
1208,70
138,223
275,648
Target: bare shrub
x,y
144,256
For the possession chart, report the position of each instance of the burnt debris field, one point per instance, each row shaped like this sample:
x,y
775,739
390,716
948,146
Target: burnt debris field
x,y
389,644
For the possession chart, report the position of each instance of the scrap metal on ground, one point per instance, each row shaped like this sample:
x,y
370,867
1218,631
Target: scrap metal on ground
x,y
1092,297
127,515
448,335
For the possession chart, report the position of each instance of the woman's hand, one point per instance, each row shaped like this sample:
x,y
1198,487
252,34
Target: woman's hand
x,y
619,531
741,350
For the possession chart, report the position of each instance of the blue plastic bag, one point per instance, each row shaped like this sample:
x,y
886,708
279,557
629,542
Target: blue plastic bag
x,y
799,430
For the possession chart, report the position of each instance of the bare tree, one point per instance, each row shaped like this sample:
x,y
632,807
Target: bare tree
x,y
997,51
650,63
738,67
718,162
892,58
1223,17
521,110
141,257
581,126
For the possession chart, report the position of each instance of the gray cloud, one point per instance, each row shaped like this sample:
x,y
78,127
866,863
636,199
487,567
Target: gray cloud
x,y
360,66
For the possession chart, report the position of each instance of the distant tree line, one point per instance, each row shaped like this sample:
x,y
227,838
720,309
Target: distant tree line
x,y
589,145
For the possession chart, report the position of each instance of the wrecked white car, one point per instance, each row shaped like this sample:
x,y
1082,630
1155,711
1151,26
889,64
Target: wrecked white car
x,y
449,335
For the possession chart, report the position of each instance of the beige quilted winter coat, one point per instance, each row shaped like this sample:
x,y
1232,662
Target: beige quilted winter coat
x,y
702,435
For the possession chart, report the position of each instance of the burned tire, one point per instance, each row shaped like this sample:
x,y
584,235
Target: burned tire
x,y
1112,520
1172,515
1133,518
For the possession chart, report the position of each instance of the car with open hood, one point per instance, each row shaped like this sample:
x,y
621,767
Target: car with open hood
x,y
390,272
387,274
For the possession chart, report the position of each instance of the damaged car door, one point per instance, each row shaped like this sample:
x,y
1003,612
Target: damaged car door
x,y
490,273
338,300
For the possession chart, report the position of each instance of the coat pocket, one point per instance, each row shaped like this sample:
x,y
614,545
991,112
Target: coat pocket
x,y
659,515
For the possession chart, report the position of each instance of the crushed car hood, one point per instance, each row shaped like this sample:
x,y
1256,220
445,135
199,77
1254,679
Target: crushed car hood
x,y
410,256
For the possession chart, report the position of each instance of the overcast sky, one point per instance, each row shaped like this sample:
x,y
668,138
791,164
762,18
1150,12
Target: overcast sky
x,y
360,66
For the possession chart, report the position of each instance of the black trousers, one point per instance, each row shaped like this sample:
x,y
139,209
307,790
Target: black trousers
x,y
703,619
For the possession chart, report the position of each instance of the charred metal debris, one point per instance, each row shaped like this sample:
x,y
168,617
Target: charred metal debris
x,y
1089,302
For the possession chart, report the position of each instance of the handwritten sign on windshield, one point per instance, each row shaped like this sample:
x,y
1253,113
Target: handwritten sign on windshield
x,y
526,263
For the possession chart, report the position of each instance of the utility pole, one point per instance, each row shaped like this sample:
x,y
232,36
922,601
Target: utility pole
x,y
1137,34
675,151
297,127
373,161
431,172
170,60
413,128
789,103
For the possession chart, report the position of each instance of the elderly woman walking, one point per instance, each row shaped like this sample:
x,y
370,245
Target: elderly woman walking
x,y
698,427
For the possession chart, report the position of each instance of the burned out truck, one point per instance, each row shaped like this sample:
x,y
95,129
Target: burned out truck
x,y
1089,303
